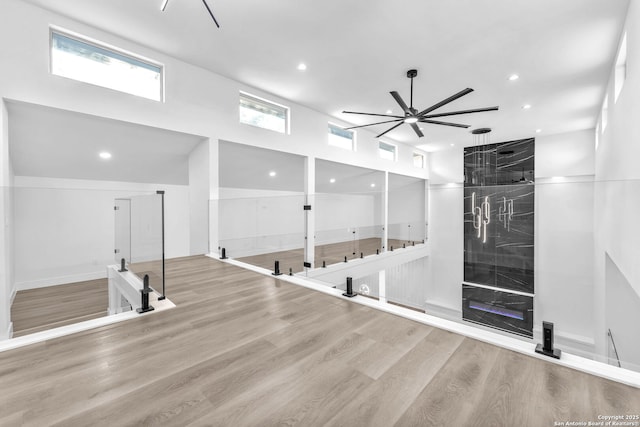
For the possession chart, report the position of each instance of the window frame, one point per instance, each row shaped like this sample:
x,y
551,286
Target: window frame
x,y
354,144
118,52
423,162
259,100
620,70
395,150
604,114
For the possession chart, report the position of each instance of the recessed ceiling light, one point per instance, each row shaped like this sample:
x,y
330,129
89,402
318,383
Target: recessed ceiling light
x,y
453,145
389,112
421,128
526,106
372,185
332,180
105,155
538,130
513,77
302,66
272,173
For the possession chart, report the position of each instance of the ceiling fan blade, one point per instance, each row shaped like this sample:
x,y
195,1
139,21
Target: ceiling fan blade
x,y
211,13
435,122
400,102
446,101
417,130
377,123
374,114
390,129
455,113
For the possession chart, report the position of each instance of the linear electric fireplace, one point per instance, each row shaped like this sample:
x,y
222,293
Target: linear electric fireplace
x,y
507,311
499,196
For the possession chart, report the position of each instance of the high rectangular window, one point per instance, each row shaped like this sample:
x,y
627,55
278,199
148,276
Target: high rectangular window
x,y
89,62
621,67
387,151
418,160
339,137
605,113
265,114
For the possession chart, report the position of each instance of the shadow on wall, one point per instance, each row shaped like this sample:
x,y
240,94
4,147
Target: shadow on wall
x,y
622,318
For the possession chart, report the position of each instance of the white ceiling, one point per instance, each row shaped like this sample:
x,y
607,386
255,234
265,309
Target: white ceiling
x,y
66,144
358,51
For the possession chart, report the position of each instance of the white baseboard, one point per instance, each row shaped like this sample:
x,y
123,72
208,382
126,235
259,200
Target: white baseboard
x,y
61,280
13,296
436,309
575,344
9,331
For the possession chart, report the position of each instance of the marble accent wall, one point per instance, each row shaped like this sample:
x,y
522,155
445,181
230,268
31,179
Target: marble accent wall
x,y
499,195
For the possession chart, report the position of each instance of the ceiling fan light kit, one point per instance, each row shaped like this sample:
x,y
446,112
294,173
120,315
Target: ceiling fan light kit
x,y
412,116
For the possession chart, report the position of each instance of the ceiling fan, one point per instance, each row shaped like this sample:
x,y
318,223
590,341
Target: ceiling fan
x,y
164,6
412,116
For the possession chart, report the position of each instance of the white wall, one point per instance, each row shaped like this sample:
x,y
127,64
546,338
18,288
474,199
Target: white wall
x,y
618,183
445,265
199,182
566,154
407,207
7,285
623,317
564,240
253,222
564,244
339,215
198,102
64,229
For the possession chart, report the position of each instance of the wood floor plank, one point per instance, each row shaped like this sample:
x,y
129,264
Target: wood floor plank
x,y
246,349
388,398
460,380
40,309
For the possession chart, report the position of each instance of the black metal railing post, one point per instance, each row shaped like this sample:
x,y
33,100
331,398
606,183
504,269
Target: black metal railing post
x,y
276,268
349,292
145,291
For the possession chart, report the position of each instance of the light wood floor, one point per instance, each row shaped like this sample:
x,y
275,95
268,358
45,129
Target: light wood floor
x,y
36,310
242,349
329,254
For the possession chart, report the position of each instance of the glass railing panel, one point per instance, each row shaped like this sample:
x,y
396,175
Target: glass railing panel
x,y
147,239
334,246
347,225
67,237
406,234
262,230
122,224
407,210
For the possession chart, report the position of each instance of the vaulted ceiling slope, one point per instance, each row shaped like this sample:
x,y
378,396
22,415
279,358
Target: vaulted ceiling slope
x,y
358,51
67,144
